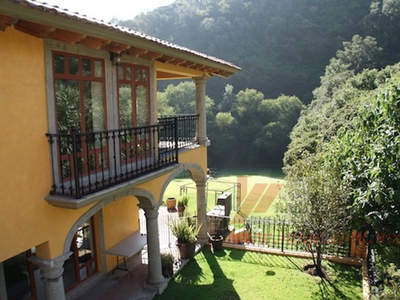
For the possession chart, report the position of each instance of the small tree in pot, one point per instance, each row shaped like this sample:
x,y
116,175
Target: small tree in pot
x,y
186,234
182,203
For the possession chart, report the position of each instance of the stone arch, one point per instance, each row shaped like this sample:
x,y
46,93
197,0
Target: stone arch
x,y
196,172
145,198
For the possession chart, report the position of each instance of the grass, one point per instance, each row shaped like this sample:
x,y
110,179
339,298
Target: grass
x,y
255,275
224,183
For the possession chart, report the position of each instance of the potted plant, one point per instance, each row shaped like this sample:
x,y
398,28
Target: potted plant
x,y
182,203
171,203
216,240
167,264
186,234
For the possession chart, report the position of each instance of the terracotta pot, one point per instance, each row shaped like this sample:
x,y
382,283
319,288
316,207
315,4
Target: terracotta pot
x,y
187,250
171,204
181,209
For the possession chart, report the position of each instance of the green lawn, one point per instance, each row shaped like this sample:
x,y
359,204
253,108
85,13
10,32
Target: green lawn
x,y
224,183
260,276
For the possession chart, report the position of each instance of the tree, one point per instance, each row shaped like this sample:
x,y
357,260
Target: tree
x,y
255,131
181,99
282,46
369,154
320,121
316,203
223,149
228,99
357,55
278,117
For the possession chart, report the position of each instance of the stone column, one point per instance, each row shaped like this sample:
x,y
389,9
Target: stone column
x,y
201,110
155,279
202,212
52,271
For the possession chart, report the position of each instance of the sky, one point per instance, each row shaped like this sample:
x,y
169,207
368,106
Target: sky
x,y
106,10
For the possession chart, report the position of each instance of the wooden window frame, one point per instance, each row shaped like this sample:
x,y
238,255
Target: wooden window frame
x,y
98,152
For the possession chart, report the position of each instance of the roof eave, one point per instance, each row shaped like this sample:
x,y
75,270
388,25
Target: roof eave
x,y
108,32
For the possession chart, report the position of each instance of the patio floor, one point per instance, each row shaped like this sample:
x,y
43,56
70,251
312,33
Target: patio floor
x,y
120,286
117,287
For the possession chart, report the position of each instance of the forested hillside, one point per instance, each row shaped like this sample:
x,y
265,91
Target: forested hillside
x,y
282,46
334,63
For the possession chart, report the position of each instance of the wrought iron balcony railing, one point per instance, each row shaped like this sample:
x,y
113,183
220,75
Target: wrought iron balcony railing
x,y
85,163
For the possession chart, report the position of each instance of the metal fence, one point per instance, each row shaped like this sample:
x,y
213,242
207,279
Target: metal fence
x,y
87,162
264,233
281,235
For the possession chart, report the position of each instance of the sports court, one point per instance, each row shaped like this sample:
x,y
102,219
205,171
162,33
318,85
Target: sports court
x,y
259,198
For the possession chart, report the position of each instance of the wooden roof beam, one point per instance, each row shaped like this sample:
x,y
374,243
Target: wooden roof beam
x,y
68,37
178,61
116,47
136,52
188,64
222,73
165,59
93,42
6,21
151,55
37,30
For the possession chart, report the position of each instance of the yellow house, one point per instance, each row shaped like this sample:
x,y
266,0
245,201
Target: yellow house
x,y
82,148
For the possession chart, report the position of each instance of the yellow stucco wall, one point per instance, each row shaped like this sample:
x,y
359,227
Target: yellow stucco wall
x,y
120,219
26,219
195,156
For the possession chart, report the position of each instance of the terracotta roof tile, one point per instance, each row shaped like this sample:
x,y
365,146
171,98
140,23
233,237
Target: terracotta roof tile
x,y
53,9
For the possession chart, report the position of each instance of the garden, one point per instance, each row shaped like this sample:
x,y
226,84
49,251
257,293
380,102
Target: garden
x,y
254,275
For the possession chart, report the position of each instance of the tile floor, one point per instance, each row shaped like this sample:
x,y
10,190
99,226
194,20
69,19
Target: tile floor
x,y
120,286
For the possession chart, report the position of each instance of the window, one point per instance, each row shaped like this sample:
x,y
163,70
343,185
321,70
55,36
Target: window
x,y
79,89
79,92
82,263
22,278
133,95
133,107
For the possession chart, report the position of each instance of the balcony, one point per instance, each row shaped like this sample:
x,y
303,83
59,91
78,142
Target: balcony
x,y
86,163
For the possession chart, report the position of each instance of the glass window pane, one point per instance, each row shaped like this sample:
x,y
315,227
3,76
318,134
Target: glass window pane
x,y
144,75
83,248
125,105
120,72
138,74
73,65
142,105
67,104
98,68
86,65
129,73
59,64
94,106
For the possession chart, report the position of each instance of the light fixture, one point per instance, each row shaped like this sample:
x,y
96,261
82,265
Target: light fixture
x,y
115,58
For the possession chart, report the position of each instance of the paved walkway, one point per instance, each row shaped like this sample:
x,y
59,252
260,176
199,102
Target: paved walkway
x,y
121,286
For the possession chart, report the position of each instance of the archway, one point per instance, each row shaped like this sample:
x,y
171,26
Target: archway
x,y
145,200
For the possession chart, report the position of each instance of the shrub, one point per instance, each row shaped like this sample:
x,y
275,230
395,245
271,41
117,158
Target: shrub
x,y
183,230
